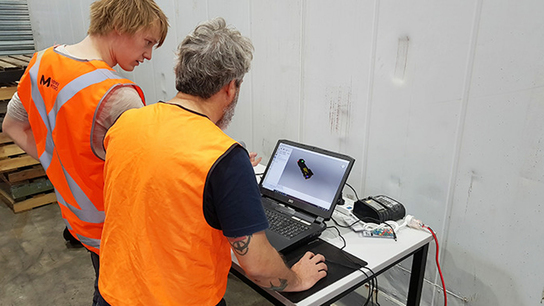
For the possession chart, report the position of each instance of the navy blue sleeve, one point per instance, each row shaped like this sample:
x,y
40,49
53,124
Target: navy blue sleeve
x,y
232,201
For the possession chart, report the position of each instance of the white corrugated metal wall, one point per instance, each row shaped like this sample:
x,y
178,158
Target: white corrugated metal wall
x,y
441,103
15,28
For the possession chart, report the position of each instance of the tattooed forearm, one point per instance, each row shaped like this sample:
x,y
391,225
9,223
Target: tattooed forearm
x,y
280,287
240,245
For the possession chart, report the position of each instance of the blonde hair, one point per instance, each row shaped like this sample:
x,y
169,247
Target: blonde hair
x,y
126,16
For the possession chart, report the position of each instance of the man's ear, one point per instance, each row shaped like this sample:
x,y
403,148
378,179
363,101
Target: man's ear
x,y
231,89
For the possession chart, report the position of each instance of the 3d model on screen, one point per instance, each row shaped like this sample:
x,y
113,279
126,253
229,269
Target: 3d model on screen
x,y
306,172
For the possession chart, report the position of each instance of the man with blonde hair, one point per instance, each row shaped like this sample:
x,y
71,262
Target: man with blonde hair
x,y
70,96
179,193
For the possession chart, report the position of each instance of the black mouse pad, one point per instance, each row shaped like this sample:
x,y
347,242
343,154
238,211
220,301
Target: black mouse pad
x,y
339,263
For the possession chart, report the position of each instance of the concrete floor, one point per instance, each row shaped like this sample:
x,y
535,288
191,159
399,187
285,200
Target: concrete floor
x,y
38,268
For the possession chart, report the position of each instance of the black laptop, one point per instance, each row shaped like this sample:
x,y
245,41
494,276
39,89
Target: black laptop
x,y
300,188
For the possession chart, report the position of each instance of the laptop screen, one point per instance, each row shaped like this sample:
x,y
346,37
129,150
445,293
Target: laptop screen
x,y
306,177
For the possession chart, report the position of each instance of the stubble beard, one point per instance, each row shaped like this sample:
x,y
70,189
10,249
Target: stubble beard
x,y
228,114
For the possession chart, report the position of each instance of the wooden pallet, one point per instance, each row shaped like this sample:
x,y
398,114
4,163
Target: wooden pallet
x,y
7,91
29,203
14,62
12,67
24,184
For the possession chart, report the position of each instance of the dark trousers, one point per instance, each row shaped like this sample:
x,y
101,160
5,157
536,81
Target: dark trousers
x,y
98,300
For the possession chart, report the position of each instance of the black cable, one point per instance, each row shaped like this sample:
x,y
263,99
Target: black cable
x,y
372,219
355,192
343,253
370,289
368,219
352,224
345,226
393,230
338,224
373,283
339,235
370,286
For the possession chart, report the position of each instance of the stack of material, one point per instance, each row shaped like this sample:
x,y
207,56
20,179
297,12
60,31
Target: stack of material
x,y
6,92
12,67
23,183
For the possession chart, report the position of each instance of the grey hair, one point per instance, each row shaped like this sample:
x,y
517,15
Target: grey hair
x,y
210,57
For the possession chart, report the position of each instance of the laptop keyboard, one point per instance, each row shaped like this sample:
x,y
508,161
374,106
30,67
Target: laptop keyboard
x,y
283,225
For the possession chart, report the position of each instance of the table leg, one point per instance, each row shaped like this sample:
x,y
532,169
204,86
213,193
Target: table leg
x,y
418,274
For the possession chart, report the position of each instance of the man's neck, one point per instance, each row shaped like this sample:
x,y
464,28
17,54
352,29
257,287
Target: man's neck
x,y
93,47
207,107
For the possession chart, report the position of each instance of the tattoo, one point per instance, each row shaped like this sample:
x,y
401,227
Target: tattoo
x,y
280,287
241,245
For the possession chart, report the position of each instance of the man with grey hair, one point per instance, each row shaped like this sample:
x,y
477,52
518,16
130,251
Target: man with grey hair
x,y
180,193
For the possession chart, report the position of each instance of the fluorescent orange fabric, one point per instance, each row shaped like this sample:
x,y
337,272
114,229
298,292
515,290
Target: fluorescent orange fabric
x,y
157,248
61,95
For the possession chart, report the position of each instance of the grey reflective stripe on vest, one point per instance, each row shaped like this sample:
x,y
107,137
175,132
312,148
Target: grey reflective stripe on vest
x,y
87,211
95,243
68,225
75,86
40,105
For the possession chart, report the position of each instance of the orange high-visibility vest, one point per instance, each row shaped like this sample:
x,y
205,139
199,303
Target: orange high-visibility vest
x,y
61,96
157,248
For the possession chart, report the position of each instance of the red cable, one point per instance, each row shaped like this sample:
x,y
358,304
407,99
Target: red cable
x,y
438,265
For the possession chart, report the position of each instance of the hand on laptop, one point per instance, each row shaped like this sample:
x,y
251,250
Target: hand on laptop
x,y
309,269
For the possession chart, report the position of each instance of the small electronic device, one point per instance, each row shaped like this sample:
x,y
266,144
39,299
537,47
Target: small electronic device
x,y
383,232
378,209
